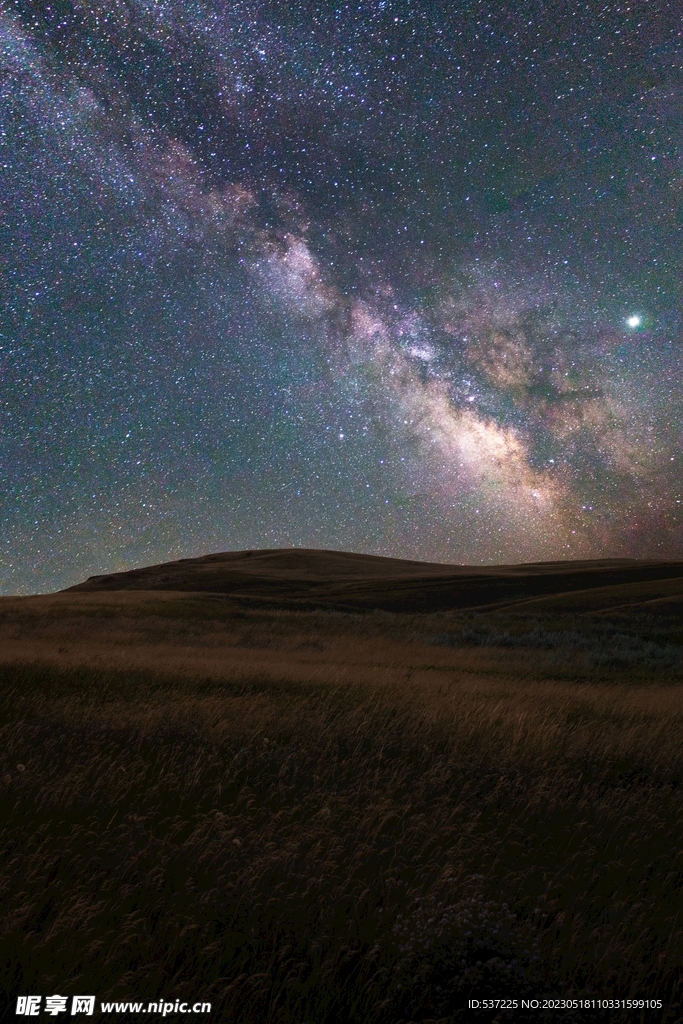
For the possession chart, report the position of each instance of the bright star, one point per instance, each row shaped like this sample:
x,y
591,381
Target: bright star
x,y
634,321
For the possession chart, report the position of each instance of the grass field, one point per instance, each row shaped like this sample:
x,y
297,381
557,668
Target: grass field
x,y
334,816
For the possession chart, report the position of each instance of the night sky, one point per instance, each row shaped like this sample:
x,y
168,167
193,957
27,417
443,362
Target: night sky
x,y
388,277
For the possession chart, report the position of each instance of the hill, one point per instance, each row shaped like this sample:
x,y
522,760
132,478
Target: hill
x,y
300,577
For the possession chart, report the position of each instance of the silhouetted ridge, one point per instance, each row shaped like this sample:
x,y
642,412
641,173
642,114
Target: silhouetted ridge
x,y
302,577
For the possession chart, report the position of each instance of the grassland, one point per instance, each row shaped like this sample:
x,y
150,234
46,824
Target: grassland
x,y
344,816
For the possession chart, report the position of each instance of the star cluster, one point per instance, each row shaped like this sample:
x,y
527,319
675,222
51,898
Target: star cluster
x,y
377,276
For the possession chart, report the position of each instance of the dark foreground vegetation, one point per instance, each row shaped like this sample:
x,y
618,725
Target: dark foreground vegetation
x,y
499,814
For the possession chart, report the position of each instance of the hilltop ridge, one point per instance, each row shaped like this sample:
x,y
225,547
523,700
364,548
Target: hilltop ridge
x,y
304,577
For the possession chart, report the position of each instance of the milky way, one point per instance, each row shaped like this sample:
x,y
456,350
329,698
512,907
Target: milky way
x,y
382,277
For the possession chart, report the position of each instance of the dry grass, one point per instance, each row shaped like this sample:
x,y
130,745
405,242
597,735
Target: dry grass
x,y
333,818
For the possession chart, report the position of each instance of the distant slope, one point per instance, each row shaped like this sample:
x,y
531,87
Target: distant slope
x,y
305,578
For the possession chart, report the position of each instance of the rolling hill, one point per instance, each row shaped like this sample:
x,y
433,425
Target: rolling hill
x,y
305,578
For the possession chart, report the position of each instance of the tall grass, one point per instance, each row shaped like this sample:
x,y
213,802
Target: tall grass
x,y
340,853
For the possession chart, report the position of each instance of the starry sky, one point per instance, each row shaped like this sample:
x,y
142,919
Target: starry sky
x,y
381,276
